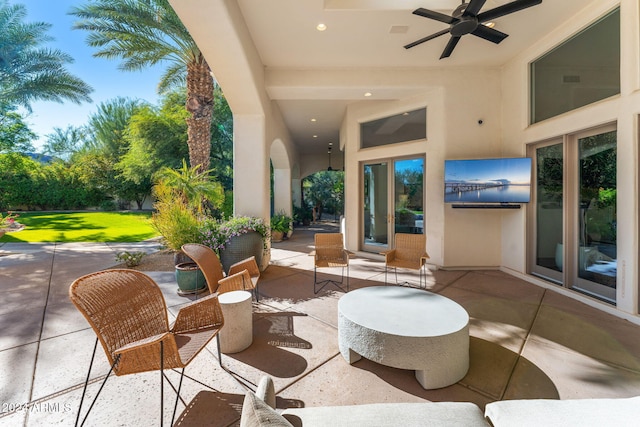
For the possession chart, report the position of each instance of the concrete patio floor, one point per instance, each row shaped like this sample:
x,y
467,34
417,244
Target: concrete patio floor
x,y
526,342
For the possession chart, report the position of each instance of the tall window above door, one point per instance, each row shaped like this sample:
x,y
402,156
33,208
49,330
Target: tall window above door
x,y
582,70
407,126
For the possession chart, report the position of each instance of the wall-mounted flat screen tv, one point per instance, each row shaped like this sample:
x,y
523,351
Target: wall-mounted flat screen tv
x,y
487,180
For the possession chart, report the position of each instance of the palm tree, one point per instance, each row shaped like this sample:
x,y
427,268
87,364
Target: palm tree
x,y
193,185
29,72
147,32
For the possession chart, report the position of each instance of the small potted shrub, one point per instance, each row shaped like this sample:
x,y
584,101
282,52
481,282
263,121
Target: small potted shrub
x,y
302,215
280,226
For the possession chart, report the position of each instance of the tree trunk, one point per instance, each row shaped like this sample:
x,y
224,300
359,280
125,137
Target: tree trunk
x,y
200,106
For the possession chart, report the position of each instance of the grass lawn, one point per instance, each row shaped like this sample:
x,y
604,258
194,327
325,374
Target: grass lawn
x,y
83,227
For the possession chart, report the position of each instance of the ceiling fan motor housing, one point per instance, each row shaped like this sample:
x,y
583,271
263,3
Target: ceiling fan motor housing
x,y
466,25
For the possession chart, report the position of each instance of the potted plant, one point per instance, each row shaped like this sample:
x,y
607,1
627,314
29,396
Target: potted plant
x,y
302,215
280,225
236,238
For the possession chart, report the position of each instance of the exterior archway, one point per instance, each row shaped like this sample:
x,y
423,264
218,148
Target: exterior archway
x,y
282,199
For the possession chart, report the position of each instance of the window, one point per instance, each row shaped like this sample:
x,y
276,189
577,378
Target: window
x,y
408,126
582,70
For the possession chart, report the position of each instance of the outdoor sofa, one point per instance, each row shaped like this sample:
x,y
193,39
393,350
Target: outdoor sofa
x,y
258,410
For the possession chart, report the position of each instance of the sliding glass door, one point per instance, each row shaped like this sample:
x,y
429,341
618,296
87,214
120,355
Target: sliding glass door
x,y
393,201
596,215
376,206
575,236
548,205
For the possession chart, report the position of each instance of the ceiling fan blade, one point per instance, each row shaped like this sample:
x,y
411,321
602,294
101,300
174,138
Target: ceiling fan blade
x,y
474,7
450,46
435,15
489,34
506,9
426,39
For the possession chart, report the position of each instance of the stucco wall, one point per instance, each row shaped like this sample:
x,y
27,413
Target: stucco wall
x,y
455,100
622,109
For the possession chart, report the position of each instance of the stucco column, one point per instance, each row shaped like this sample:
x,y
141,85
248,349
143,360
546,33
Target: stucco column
x,y
250,167
296,192
282,191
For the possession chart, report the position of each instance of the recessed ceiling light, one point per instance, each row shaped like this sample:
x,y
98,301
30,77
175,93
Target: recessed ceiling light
x,y
489,24
315,136
367,94
313,120
321,27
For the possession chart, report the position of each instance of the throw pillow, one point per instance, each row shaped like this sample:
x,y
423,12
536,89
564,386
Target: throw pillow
x,y
256,413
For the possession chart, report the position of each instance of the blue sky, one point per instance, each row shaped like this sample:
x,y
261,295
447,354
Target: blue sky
x,y
101,74
517,170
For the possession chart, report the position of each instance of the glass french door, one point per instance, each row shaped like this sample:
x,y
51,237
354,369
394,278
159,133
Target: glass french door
x,y
575,234
548,202
393,201
596,233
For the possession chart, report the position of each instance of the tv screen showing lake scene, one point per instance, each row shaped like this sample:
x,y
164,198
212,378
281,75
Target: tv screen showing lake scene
x,y
487,180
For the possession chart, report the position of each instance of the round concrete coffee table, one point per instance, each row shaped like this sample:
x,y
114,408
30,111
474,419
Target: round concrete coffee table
x,y
237,332
406,328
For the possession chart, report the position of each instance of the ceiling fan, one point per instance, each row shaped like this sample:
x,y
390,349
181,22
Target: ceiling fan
x,y
466,19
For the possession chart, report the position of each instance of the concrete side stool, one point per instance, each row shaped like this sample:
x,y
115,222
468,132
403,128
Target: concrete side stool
x,y
237,332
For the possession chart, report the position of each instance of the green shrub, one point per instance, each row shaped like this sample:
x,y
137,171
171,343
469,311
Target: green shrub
x,y
281,222
174,219
108,205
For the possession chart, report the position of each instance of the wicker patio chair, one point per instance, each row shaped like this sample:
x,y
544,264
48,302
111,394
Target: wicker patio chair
x,y
211,267
235,282
128,313
330,252
409,252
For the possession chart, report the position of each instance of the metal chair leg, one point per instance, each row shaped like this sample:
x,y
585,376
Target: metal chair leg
x,y
84,390
99,390
219,351
161,382
175,406
326,282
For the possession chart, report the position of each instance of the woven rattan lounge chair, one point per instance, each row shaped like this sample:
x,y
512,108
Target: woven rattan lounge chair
x,y
409,252
128,313
211,267
235,282
330,252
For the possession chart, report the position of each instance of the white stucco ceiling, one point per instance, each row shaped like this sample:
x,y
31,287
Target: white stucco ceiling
x,y
362,35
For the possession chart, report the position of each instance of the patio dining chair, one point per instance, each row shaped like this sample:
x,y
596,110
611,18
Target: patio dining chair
x,y
330,252
128,313
208,261
409,252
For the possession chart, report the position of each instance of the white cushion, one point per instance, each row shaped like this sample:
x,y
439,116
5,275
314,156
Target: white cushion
x,y
560,413
428,414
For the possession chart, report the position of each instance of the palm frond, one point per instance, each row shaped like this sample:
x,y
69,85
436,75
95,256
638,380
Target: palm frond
x,y
29,72
174,77
140,33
